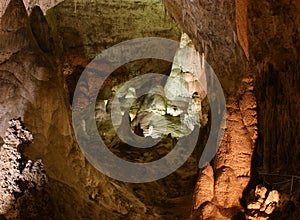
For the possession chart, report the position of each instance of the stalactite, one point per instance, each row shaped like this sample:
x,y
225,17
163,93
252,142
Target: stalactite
x,y
202,44
210,44
234,37
184,11
204,52
206,49
195,30
75,6
183,15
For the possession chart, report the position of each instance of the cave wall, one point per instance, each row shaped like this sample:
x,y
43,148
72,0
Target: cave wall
x,y
253,48
29,5
268,34
33,59
213,28
97,25
275,46
216,33
33,89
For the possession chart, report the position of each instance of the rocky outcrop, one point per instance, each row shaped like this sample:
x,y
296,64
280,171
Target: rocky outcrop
x,y
16,177
231,170
233,36
30,4
174,109
262,203
274,39
41,30
213,30
83,32
264,38
32,87
212,27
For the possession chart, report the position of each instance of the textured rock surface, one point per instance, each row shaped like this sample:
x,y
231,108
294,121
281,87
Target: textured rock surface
x,y
33,90
204,190
275,32
211,26
232,163
31,78
266,35
16,177
262,205
99,24
29,4
175,109
234,36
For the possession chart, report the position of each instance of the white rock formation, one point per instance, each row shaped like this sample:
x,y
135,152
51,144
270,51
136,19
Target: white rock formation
x,y
260,207
179,102
11,171
187,75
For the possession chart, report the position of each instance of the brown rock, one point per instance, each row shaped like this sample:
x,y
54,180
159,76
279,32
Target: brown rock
x,y
254,205
260,192
227,188
273,197
204,190
40,29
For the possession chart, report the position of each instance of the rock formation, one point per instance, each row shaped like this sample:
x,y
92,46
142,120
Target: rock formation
x,y
253,47
32,87
241,38
16,177
30,4
175,109
262,204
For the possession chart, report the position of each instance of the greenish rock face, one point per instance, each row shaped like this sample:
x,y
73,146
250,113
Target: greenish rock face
x,y
91,26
